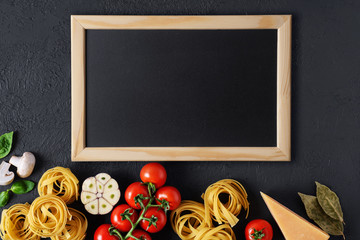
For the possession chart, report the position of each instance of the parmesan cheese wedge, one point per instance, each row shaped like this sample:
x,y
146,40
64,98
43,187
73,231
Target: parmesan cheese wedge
x,y
292,225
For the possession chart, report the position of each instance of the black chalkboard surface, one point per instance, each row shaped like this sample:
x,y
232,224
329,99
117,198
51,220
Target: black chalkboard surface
x,y
174,88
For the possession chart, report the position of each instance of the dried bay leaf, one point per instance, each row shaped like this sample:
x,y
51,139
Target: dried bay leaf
x,y
329,202
316,213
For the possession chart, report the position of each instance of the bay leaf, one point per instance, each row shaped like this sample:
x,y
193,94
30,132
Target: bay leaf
x,y
316,213
329,202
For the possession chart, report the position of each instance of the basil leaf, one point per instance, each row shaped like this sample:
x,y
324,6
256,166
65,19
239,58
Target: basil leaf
x,y
5,144
22,186
316,213
329,202
4,198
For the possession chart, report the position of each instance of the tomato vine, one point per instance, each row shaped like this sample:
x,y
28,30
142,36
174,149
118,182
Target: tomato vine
x,y
152,220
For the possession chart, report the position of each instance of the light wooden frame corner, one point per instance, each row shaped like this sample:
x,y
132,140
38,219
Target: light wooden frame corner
x,y
280,152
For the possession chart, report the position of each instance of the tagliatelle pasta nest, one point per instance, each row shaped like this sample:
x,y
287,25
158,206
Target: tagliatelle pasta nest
x,y
61,182
15,225
225,212
194,221
221,232
75,228
188,219
48,215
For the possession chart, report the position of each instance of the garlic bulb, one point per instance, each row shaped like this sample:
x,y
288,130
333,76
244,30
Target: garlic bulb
x,y
100,194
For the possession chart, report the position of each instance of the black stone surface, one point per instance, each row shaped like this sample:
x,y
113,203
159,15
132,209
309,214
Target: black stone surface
x,y
35,101
166,88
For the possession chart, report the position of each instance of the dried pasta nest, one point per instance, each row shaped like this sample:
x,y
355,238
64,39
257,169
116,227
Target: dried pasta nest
x,y
15,225
188,219
48,216
194,221
221,232
221,212
75,228
61,182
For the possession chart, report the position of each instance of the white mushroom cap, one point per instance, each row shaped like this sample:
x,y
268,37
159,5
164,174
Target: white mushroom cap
x,y
25,164
6,177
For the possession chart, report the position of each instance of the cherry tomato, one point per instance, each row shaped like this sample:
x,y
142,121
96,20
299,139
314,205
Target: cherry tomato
x,y
154,173
102,233
116,218
170,194
132,191
258,229
159,214
140,234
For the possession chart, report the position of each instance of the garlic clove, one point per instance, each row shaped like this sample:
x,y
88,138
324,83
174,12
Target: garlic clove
x,y
100,187
103,178
111,185
112,197
93,207
104,206
87,197
89,185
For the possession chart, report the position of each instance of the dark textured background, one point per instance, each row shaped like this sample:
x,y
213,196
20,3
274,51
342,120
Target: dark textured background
x,y
35,100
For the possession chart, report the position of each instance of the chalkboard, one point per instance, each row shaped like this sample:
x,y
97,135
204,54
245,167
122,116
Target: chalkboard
x,y
177,89
165,88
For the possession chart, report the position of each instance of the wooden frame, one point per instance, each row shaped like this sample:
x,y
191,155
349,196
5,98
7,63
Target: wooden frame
x,y
79,152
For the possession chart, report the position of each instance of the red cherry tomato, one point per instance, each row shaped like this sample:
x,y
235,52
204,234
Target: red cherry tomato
x,y
102,233
154,173
140,234
116,218
258,229
170,194
132,191
159,214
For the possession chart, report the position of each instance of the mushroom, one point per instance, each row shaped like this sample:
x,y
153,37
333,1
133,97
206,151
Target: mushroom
x,y
6,177
25,164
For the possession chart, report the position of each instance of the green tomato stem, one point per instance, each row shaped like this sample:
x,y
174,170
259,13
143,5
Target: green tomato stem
x,y
147,219
155,206
134,225
115,232
151,190
128,218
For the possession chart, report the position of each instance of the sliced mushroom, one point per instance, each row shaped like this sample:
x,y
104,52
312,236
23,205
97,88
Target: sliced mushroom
x,y
6,177
25,164
100,194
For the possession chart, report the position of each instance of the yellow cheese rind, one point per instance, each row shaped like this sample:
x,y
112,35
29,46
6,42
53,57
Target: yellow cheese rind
x,y
292,225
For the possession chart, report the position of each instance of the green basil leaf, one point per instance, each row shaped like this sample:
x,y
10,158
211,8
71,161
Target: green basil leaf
x,y
5,144
316,213
4,198
22,186
329,202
